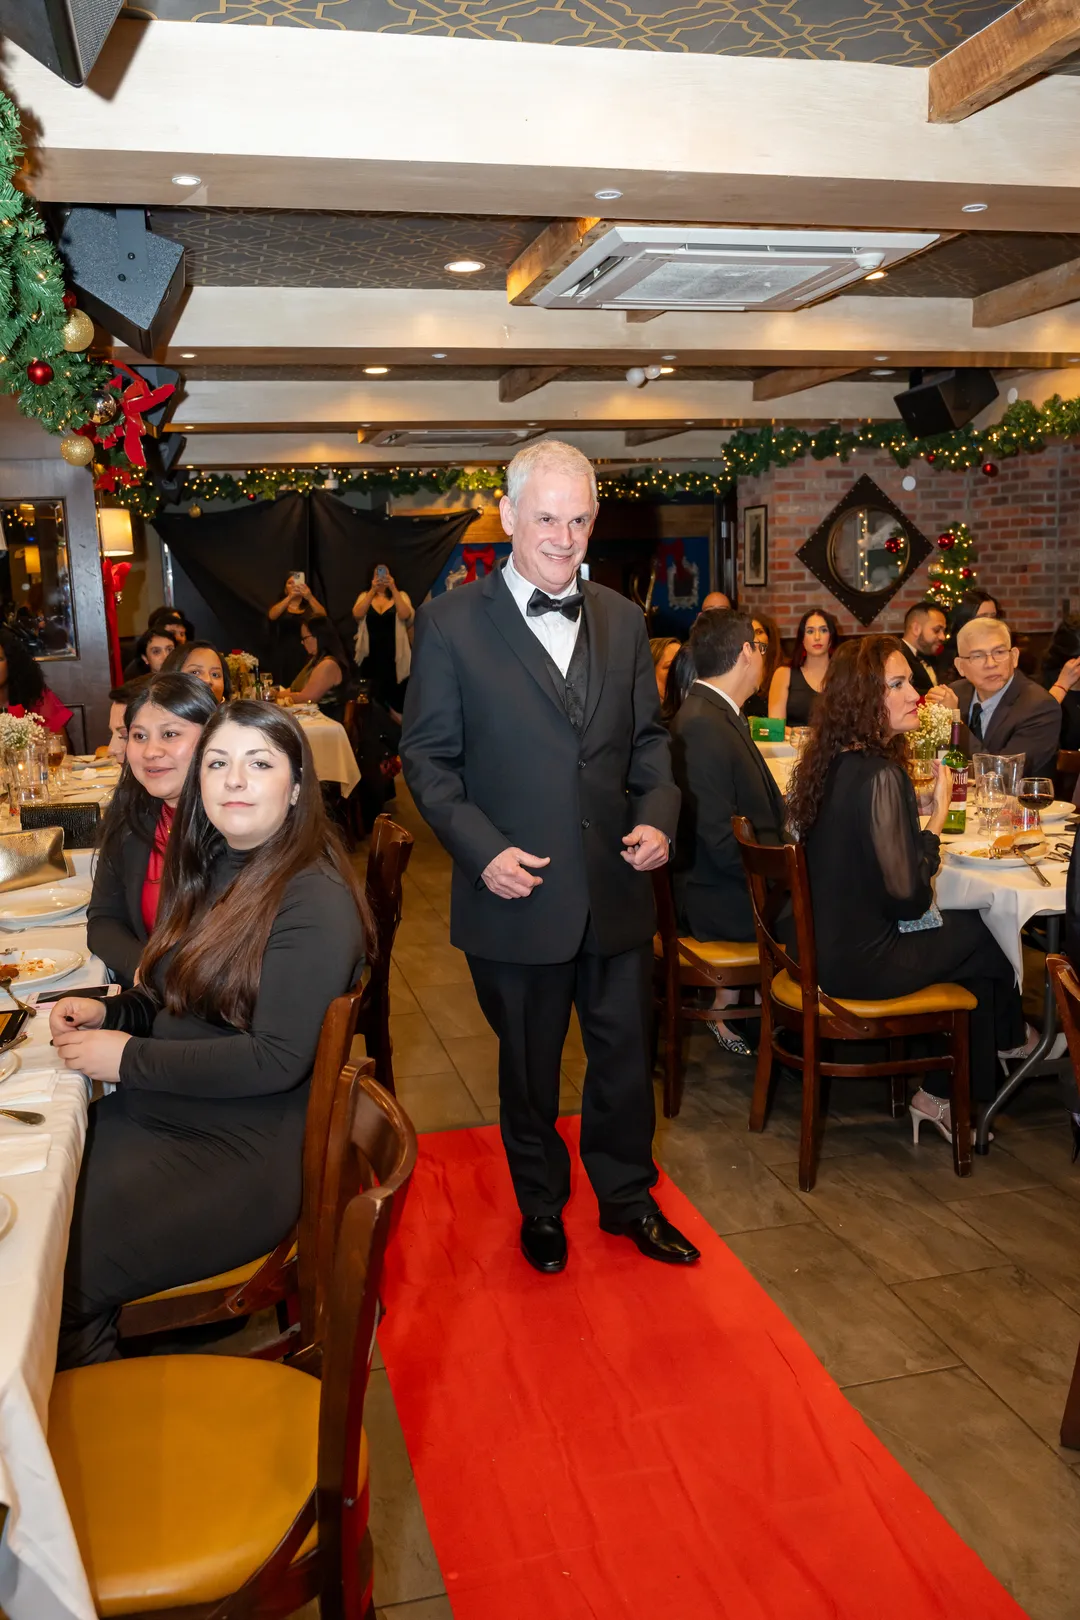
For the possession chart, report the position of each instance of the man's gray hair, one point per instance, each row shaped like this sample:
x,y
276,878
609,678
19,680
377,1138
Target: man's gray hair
x,y
550,453
968,633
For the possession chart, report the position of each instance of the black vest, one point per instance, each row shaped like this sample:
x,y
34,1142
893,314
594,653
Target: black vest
x,y
573,688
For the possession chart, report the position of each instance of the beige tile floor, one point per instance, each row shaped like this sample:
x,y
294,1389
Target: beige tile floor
x,y
948,1311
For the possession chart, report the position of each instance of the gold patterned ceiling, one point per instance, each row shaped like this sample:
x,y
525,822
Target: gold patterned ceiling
x,y
907,33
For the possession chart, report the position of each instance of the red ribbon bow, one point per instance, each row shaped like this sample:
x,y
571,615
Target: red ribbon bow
x,y
135,400
108,478
471,555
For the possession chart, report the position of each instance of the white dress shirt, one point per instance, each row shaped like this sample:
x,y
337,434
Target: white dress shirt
x,y
554,631
721,693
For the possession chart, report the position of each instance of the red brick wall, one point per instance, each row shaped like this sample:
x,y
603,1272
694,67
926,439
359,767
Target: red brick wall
x,y
1025,524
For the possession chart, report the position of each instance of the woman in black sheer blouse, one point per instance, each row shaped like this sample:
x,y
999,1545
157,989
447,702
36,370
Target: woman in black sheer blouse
x,y
853,807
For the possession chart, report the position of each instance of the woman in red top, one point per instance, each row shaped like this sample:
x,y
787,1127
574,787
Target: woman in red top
x,y
22,686
164,723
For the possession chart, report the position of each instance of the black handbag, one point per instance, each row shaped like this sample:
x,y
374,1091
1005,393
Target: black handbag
x,y
79,820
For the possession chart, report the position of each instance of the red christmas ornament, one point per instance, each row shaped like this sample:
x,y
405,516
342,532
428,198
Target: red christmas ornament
x,y
39,373
893,545
989,469
947,540
931,456
967,573
70,300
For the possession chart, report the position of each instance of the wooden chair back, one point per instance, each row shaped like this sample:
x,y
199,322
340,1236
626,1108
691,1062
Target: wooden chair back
x,y
388,857
1067,772
1066,985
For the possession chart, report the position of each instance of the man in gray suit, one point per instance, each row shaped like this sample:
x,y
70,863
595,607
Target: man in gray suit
x,y
1004,711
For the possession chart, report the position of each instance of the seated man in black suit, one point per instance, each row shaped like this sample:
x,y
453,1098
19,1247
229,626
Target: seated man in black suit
x,y
1004,711
925,631
721,774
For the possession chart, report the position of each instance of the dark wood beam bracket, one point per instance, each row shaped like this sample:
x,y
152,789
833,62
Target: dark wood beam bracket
x,y
522,380
778,384
1047,290
1034,36
636,436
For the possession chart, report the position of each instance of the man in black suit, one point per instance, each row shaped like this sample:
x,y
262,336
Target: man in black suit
x,y
533,747
925,631
1004,711
720,774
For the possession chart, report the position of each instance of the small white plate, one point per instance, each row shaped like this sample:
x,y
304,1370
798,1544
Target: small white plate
x,y
43,904
1060,810
54,964
7,1214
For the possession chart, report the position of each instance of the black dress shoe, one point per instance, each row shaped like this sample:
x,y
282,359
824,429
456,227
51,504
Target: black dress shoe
x,y
655,1237
543,1242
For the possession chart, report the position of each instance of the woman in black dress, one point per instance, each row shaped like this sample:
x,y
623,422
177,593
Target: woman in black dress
x,y
383,652
164,719
795,686
853,807
192,1165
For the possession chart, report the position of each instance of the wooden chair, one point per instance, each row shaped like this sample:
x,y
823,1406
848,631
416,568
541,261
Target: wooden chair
x,y
1067,995
682,966
271,1279
388,857
1066,772
793,1000
221,1488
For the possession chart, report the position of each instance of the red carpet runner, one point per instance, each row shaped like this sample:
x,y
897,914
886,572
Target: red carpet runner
x,y
631,1441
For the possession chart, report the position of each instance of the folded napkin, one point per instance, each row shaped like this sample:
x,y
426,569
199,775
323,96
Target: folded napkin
x,y
30,1088
24,1152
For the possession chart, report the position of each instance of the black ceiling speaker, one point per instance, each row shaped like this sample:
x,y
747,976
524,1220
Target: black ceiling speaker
x,y
66,35
129,279
161,458
946,400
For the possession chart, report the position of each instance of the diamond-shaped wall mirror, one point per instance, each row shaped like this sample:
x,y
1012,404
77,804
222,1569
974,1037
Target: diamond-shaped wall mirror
x,y
864,550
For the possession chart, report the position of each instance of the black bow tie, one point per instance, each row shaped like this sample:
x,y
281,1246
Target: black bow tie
x,y
568,606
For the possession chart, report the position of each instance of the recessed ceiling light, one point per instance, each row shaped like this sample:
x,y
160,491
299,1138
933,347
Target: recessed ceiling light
x,y
465,267
365,424
974,208
439,354
881,357
665,371
376,371
885,373
532,424
188,354
876,275
669,357
689,422
187,179
1074,359
607,194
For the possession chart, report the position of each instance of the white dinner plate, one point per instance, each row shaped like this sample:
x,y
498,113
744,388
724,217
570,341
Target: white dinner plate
x,y
1060,810
9,1063
7,1214
977,857
49,964
43,904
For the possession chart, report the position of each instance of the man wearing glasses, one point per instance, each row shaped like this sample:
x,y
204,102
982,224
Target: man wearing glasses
x,y
1004,711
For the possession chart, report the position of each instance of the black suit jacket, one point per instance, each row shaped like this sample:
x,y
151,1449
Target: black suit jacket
x,y
720,774
920,680
493,762
1026,720
115,930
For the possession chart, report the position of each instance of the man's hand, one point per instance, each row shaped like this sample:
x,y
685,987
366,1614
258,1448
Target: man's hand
x,y
647,848
506,875
945,696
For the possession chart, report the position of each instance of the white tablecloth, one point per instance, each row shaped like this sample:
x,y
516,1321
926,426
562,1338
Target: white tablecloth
x,y
41,1573
1008,897
334,759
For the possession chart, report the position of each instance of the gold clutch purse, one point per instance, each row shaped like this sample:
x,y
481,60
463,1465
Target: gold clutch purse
x,y
30,858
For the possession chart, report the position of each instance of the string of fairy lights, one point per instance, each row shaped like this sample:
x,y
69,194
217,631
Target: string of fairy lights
x,y
1024,429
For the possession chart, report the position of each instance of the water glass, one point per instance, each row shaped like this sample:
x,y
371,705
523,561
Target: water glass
x,y
923,776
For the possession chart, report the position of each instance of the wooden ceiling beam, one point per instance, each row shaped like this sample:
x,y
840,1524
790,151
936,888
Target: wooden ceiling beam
x,y
636,436
637,317
1034,36
522,380
778,384
557,246
1047,290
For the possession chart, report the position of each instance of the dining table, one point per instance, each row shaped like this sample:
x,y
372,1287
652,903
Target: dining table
x,y
41,1571
330,749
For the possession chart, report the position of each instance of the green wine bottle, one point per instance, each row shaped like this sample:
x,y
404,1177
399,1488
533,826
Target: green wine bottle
x,y
957,761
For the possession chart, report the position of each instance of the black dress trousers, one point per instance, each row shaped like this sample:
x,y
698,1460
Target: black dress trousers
x,y
528,1006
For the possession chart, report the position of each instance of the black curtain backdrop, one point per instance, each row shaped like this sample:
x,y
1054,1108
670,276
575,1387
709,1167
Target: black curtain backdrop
x,y
229,567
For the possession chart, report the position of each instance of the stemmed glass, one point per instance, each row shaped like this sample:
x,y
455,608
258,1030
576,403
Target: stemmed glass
x,y
992,801
1036,793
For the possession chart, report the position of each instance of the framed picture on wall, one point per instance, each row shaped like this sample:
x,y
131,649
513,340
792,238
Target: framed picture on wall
x,y
755,534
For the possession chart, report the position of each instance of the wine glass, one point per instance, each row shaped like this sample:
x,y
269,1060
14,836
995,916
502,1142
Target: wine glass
x,y
923,775
54,748
1036,793
992,800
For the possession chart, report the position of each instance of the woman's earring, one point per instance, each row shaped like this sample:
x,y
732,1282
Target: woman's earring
x,y
295,795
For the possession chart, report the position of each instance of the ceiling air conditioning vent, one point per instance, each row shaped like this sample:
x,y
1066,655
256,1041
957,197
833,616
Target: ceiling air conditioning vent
x,y
712,267
448,438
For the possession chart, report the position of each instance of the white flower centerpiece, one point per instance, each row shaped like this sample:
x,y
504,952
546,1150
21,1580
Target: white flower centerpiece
x,y
243,673
934,731
22,737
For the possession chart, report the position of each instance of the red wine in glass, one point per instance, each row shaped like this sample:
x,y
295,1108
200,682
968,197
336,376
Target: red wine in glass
x,y
1036,793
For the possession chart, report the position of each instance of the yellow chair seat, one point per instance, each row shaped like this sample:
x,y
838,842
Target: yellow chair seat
x,y
182,1473
936,998
207,1285
717,953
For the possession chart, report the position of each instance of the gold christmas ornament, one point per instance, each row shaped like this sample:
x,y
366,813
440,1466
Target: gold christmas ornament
x,y
78,332
194,510
76,450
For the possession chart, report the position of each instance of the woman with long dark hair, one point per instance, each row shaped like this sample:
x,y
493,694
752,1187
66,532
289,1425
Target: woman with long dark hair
x,y
164,720
383,651
852,805
322,679
192,1165
22,685
794,688
767,641
201,659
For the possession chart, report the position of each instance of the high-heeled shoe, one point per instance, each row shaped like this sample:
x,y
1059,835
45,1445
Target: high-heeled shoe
x,y
919,1118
